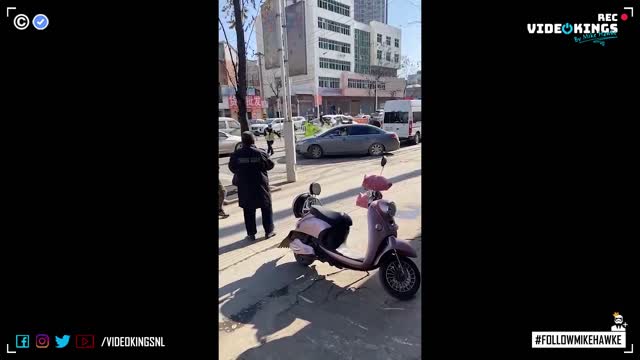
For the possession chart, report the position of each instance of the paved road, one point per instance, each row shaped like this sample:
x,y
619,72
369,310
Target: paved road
x,y
279,173
270,307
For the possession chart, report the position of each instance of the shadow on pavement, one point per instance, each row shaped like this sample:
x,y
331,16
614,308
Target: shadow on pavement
x,y
340,323
241,243
279,215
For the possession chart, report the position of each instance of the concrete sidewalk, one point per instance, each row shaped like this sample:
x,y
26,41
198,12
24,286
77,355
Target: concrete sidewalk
x,y
328,314
270,307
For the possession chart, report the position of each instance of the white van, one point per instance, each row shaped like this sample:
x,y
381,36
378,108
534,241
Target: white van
x,y
404,117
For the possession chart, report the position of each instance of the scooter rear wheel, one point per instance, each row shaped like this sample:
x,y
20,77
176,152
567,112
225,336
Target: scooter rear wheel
x,y
304,260
402,285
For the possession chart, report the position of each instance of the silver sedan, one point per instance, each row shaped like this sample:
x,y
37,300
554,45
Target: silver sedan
x,y
353,139
227,143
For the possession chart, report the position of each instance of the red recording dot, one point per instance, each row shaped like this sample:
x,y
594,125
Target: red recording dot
x,y
624,17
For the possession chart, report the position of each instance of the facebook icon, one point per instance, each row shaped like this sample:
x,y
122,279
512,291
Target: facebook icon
x,y
22,341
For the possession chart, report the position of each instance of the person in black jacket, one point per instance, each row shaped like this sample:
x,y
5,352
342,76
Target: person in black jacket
x,y
250,166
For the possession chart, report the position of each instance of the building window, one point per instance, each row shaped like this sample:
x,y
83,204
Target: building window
x,y
397,41
388,57
334,26
379,38
364,84
334,6
362,51
334,45
379,55
388,40
335,64
396,58
327,82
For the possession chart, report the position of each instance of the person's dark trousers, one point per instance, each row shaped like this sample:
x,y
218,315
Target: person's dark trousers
x,y
250,220
270,145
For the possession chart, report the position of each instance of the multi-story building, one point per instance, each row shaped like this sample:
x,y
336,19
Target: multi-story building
x,y
345,59
366,11
414,79
227,104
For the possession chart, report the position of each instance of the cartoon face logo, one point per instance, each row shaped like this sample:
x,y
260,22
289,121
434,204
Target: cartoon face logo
x,y
619,324
618,320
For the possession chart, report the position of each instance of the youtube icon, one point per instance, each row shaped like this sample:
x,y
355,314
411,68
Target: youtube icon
x,y
85,341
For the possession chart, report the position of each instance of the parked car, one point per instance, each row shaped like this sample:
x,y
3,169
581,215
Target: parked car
x,y
361,119
229,125
404,117
276,125
256,121
337,119
378,115
352,139
346,119
298,122
227,143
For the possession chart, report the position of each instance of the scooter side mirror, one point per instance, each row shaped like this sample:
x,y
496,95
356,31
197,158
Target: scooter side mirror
x,y
314,189
383,162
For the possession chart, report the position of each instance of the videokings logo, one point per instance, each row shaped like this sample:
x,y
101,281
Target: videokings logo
x,y
598,32
615,338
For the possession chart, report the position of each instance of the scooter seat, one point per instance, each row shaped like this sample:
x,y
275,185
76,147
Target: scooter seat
x,y
331,217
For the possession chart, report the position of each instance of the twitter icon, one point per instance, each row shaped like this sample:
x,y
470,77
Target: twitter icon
x,y
63,341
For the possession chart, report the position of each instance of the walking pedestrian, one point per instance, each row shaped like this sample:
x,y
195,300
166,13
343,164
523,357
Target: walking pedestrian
x,y
270,136
250,165
222,193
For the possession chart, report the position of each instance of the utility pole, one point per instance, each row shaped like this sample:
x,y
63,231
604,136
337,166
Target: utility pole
x,y
287,130
260,55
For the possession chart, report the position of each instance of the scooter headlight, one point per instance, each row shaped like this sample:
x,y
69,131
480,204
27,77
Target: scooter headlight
x,y
392,209
388,208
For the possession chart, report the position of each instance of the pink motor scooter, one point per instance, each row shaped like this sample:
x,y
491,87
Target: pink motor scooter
x,y
320,232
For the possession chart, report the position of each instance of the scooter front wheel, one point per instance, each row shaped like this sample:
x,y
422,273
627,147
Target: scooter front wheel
x,y
400,279
304,260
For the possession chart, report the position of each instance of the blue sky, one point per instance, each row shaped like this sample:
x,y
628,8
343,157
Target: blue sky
x,y
398,9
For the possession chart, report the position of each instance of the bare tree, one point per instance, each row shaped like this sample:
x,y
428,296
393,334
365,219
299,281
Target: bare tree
x,y
275,85
380,74
408,67
237,14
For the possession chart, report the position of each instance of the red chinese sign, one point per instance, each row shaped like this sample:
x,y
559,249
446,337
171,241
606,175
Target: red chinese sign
x,y
252,102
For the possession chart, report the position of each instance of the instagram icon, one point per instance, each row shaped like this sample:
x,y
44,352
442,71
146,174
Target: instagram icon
x,y
42,341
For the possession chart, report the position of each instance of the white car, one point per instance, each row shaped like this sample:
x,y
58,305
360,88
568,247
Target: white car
x,y
276,125
229,125
227,143
298,122
337,119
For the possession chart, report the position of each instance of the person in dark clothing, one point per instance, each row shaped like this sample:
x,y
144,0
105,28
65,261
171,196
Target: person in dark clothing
x,y
222,192
250,166
270,136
